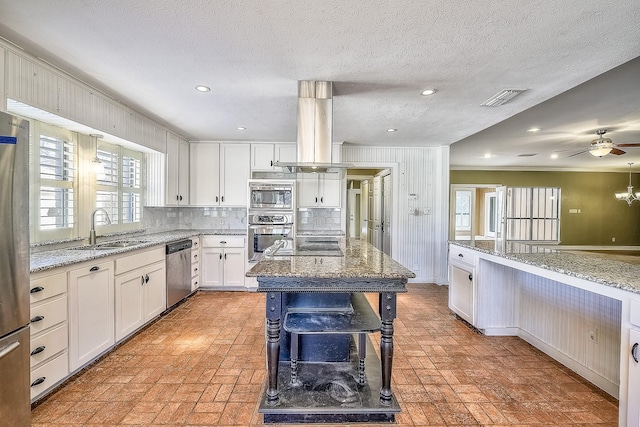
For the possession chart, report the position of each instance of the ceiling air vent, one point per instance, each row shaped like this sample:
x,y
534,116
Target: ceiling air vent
x,y
502,97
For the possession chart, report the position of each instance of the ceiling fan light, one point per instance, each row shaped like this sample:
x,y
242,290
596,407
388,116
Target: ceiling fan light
x,y
600,151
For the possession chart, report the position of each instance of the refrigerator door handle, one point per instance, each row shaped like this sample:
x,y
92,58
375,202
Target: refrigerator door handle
x,y
8,349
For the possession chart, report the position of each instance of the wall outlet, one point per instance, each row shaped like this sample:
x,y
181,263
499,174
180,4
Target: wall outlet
x,y
613,239
593,335
426,211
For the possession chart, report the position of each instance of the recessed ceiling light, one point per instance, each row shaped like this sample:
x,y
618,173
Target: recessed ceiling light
x,y
534,130
241,128
428,92
554,156
203,88
486,156
392,130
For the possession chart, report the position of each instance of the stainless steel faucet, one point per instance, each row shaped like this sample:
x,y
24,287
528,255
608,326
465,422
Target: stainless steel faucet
x,y
92,232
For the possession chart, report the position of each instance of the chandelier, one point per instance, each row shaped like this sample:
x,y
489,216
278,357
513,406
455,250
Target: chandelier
x,y
629,196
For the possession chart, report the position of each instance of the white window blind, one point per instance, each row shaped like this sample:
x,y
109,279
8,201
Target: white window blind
x,y
57,174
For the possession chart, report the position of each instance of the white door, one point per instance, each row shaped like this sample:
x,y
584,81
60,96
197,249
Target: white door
x,y
212,267
501,214
307,185
462,212
329,191
386,214
377,212
129,314
172,195
262,157
490,214
204,188
91,313
353,210
236,171
234,262
364,211
155,290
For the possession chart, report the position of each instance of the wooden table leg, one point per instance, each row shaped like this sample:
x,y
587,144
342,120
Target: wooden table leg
x,y
273,306
387,310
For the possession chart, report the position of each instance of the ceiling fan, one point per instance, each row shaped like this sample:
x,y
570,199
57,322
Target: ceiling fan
x,y
602,146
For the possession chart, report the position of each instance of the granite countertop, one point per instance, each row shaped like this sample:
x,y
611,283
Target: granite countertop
x,y
49,259
359,260
600,268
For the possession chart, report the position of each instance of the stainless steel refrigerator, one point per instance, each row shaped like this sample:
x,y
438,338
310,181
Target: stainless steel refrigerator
x,y
15,405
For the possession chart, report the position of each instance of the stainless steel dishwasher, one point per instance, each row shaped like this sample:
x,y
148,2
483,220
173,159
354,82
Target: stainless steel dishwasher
x,y
178,271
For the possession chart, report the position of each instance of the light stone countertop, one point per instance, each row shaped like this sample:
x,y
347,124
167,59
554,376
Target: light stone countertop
x,y
359,260
608,270
49,259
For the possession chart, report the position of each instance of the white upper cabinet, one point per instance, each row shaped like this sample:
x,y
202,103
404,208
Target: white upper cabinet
x,y
177,171
319,190
263,156
219,174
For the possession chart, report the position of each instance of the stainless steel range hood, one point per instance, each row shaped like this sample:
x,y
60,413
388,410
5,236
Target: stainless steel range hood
x,y
315,130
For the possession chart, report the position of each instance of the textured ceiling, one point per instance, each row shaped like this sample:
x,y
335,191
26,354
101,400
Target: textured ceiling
x,y
151,54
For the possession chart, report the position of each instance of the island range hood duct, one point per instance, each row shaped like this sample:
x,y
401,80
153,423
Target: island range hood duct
x,y
315,130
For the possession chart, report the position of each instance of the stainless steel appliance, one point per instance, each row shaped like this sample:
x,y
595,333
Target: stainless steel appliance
x,y
178,271
272,195
15,406
264,229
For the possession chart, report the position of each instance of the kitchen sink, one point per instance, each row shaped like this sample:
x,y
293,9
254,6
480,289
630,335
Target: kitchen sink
x,y
110,245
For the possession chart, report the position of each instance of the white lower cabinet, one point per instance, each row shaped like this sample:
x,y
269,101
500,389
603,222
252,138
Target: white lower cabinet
x,y
140,296
461,283
91,313
633,407
223,262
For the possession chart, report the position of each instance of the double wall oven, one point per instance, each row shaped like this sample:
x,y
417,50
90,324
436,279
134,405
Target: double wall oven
x,y
271,214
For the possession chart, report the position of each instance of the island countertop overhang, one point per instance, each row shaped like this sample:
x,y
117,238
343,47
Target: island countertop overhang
x,y
360,262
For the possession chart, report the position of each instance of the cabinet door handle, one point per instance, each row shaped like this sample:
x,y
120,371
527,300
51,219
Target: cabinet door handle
x,y
142,280
216,199
36,289
38,350
220,256
461,255
146,278
470,276
321,199
195,270
180,198
177,197
634,352
222,199
195,256
38,381
271,163
37,319
94,268
225,256
316,200
223,242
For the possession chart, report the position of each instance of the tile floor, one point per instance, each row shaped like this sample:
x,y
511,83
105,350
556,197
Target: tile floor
x,y
203,364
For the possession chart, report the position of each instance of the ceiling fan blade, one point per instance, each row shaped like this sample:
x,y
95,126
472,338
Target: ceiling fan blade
x,y
616,151
579,152
632,144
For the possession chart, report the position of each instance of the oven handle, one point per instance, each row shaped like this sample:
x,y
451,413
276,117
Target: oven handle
x,y
271,229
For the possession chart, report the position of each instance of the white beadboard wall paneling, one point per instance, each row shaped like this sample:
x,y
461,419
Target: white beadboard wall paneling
x,y
497,299
419,241
155,179
3,105
565,318
33,82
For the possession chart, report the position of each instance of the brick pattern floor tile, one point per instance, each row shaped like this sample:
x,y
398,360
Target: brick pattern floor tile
x,y
203,364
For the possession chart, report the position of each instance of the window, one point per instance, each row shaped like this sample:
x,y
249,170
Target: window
x,y
54,183
533,213
118,186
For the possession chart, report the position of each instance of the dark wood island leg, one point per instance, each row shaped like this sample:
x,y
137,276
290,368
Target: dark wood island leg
x,y
387,310
273,306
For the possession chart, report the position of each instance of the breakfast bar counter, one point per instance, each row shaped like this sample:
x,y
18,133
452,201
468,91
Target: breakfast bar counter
x,y
320,362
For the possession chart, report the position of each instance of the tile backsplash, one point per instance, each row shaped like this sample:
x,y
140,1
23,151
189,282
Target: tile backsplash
x,y
172,218
318,219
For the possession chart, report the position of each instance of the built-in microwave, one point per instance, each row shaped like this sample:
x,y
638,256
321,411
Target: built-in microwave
x,y
270,195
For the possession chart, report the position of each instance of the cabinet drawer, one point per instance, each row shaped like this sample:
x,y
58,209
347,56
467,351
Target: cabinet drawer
x,y
195,283
195,269
634,312
49,374
195,242
459,254
195,256
137,260
48,314
48,286
49,344
223,242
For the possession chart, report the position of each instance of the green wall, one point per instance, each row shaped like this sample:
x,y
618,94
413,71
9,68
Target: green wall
x,y
602,217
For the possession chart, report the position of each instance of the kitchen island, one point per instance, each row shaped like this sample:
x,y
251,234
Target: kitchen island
x,y
580,308
315,315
